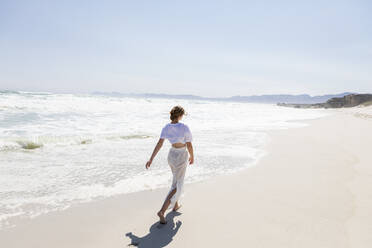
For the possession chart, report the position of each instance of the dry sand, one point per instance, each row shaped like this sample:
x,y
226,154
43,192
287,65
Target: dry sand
x,y
313,189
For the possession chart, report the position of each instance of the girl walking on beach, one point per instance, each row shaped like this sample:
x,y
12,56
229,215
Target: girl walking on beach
x,y
180,137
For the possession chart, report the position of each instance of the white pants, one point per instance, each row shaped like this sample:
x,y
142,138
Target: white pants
x,y
178,161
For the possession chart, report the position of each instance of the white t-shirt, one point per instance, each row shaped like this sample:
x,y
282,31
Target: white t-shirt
x,y
176,133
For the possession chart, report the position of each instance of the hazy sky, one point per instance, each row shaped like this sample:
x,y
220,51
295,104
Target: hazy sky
x,y
208,48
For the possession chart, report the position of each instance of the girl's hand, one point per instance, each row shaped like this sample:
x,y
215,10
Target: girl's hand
x,y
148,164
191,160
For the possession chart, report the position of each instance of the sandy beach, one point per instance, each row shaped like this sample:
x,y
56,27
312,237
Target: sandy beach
x,y
312,189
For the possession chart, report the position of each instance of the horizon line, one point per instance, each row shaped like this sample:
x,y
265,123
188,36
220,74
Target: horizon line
x,y
169,94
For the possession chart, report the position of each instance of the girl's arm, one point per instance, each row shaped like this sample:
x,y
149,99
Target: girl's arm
x,y
191,151
156,150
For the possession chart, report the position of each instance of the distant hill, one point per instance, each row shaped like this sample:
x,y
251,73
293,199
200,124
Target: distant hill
x,y
304,98
287,98
350,100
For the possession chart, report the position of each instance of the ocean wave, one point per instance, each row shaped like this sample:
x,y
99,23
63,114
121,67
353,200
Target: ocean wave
x,y
29,145
15,92
9,92
135,136
26,143
17,145
12,107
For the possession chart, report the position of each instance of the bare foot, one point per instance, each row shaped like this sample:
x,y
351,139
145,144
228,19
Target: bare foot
x,y
162,218
176,207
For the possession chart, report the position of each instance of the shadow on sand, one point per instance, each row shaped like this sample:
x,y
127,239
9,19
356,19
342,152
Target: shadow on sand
x,y
159,236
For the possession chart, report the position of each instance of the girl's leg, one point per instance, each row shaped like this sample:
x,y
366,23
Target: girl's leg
x,y
176,206
178,174
165,206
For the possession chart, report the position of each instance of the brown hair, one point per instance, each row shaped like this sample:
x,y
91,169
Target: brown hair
x,y
176,112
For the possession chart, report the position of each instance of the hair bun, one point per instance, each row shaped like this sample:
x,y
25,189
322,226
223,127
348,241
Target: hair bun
x,y
176,112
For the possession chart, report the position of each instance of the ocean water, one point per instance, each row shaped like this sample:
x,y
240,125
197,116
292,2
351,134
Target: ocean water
x,y
57,150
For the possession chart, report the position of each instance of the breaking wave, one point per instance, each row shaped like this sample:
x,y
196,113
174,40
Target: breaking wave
x,y
16,144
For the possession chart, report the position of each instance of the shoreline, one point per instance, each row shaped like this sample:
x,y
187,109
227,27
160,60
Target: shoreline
x,y
19,218
311,189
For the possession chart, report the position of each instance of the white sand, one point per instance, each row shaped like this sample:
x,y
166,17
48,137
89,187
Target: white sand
x,y
313,189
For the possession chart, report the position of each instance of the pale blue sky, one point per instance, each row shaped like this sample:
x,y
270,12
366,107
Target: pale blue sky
x,y
208,48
